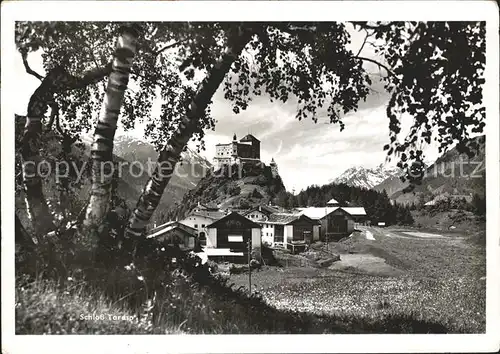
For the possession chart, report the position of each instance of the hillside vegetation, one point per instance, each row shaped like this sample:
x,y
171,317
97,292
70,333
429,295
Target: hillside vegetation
x,y
230,187
377,205
451,174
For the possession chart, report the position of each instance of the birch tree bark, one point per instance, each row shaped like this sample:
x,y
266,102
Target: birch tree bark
x,y
102,146
57,80
170,155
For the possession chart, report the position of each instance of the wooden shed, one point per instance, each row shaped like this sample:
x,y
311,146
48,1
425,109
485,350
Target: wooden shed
x,y
230,235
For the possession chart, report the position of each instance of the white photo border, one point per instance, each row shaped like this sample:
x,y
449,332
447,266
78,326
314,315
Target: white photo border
x,y
253,11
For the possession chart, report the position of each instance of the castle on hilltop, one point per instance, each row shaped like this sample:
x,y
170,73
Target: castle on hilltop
x,y
246,150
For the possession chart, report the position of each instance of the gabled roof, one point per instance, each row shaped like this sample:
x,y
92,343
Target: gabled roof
x,y
249,137
355,211
316,213
332,201
236,217
170,226
288,218
265,209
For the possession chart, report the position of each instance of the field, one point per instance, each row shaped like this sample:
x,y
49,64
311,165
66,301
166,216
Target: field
x,y
387,281
432,277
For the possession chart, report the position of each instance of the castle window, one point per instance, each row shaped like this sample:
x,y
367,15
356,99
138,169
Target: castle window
x,y
195,226
202,225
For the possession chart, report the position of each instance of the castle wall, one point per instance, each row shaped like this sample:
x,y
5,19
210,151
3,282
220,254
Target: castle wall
x,y
227,154
226,150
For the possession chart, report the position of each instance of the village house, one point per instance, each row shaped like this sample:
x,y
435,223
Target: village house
x,y
205,207
288,230
174,233
261,212
200,219
228,237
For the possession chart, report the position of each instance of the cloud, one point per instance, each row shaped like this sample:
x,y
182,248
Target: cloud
x,y
306,152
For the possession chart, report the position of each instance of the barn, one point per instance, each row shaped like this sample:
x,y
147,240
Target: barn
x,y
229,236
336,222
174,233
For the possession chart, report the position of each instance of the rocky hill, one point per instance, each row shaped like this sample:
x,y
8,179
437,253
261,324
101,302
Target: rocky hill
x,y
233,187
452,174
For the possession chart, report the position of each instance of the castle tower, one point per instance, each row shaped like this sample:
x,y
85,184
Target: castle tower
x,y
234,137
274,168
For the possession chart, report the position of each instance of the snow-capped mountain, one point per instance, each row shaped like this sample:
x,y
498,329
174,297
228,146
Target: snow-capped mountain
x,y
359,176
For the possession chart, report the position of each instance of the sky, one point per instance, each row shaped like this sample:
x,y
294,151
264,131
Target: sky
x,y
306,152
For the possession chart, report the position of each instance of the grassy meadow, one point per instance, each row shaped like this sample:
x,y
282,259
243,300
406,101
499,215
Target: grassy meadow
x,y
430,279
394,284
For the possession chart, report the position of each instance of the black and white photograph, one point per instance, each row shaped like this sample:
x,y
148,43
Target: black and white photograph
x,y
286,175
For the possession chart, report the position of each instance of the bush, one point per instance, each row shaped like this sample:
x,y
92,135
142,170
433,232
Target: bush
x,y
234,190
256,194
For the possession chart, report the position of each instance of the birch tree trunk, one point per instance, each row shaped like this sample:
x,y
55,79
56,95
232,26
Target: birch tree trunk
x,y
37,207
57,80
102,146
170,155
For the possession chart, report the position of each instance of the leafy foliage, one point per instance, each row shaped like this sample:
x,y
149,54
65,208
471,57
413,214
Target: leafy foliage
x,y
435,74
436,78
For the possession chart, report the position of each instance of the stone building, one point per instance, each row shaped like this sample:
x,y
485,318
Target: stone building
x,y
237,152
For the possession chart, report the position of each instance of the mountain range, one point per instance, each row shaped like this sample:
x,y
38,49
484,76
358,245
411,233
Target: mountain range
x,y
368,178
452,174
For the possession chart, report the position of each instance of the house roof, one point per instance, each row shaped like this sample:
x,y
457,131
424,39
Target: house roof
x,y
249,137
170,226
332,201
265,209
355,211
316,213
286,218
214,215
243,221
